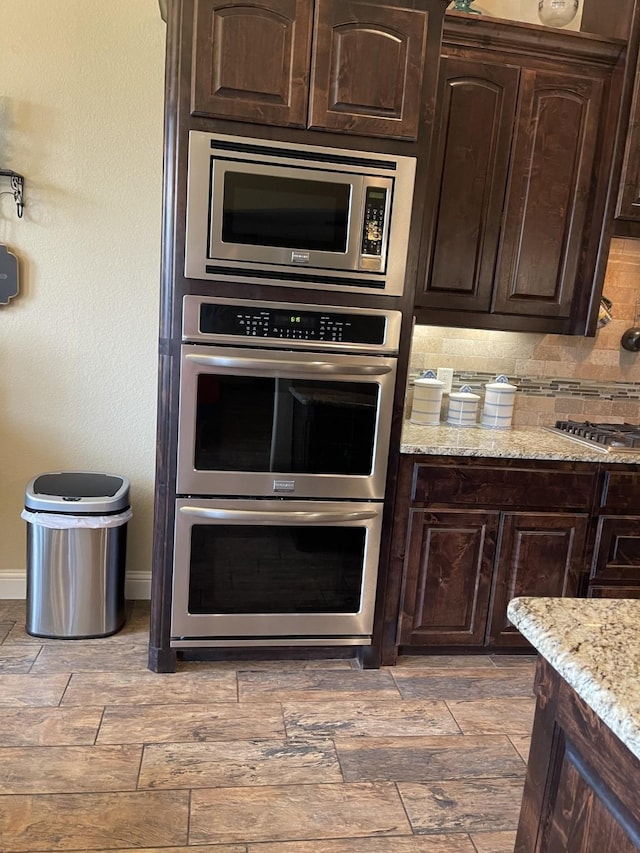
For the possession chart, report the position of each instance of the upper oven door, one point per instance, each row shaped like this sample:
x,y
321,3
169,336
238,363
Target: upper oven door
x,y
287,424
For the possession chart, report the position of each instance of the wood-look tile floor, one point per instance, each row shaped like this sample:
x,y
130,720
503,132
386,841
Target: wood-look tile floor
x,y
99,754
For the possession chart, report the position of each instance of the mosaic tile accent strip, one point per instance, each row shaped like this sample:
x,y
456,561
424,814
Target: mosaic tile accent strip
x,y
540,387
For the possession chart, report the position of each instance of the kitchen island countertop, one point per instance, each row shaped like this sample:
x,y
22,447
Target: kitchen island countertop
x,y
594,644
516,443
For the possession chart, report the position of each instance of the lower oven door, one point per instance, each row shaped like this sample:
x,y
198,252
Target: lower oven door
x,y
271,572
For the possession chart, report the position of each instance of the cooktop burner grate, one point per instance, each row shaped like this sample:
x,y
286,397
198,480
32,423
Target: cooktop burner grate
x,y
618,438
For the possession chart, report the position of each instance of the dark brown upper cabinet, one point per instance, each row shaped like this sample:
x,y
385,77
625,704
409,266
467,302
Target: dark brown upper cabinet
x,y
627,221
347,67
622,20
517,198
251,61
368,65
629,198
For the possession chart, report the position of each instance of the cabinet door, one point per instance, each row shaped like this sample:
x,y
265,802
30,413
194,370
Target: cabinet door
x,y
617,552
475,115
448,562
539,554
251,60
629,196
368,65
548,193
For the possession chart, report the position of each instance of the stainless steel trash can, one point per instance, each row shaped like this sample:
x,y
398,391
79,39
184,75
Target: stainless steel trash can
x,y
76,549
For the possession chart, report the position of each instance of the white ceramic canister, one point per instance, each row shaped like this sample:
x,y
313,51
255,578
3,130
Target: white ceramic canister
x,y
463,407
427,399
497,411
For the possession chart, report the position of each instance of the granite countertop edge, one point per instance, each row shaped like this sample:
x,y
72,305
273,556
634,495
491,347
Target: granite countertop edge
x,y
594,645
516,443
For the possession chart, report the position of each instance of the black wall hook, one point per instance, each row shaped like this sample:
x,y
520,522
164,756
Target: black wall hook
x,y
17,188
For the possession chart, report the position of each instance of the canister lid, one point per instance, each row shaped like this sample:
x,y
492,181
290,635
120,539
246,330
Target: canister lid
x,y
501,385
429,379
465,393
430,383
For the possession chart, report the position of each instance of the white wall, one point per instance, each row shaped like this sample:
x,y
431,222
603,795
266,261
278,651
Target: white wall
x,y
81,102
519,10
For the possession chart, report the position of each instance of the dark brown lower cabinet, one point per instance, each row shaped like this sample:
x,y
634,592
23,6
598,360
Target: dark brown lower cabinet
x,y
470,535
538,554
616,561
463,567
581,791
448,576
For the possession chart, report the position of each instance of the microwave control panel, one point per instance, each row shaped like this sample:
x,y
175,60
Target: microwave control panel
x,y
374,221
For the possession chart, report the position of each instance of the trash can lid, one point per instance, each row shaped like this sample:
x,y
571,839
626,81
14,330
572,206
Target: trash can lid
x,y
77,493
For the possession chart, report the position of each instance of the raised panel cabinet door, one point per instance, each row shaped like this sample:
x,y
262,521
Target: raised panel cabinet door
x,y
548,194
251,60
617,551
448,565
475,115
368,66
538,554
628,206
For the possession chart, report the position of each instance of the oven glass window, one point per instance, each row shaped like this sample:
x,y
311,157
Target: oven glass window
x,y
262,424
269,210
272,569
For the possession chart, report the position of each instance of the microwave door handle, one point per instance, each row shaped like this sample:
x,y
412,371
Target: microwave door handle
x,y
312,368
246,516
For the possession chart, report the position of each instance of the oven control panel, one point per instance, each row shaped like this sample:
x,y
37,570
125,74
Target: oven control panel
x,y
221,320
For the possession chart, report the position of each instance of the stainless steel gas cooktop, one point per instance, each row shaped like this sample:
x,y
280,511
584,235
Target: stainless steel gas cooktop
x,y
607,438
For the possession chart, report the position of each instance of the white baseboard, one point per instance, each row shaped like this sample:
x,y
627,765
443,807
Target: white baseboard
x,y
137,586
14,585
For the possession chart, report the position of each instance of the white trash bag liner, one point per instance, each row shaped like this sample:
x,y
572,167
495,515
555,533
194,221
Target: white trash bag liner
x,y
58,521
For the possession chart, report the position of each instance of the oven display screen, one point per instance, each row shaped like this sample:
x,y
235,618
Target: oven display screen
x,y
294,321
289,213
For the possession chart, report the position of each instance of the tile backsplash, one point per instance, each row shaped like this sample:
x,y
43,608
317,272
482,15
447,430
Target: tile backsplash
x,y
558,376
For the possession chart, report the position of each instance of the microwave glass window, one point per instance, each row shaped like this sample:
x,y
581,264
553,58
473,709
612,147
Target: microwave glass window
x,y
290,213
246,423
276,569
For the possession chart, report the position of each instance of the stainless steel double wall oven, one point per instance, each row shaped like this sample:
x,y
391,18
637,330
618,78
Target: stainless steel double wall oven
x,y
282,458
285,407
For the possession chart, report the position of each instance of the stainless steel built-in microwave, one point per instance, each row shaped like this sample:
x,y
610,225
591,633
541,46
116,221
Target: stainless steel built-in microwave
x,y
295,215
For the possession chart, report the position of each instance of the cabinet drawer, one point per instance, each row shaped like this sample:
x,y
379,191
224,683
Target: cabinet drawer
x,y
614,592
462,485
617,552
621,492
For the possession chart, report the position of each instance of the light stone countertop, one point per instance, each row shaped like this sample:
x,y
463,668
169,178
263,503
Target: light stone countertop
x,y
594,644
516,443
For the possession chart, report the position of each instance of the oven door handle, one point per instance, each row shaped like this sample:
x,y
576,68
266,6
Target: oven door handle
x,y
245,516
308,367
